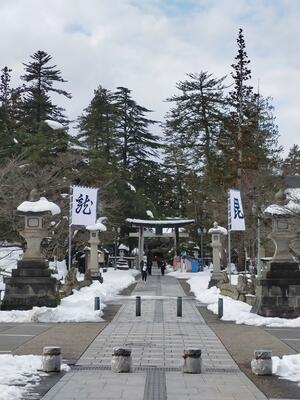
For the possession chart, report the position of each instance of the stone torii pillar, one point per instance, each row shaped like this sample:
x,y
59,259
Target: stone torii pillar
x,y
216,234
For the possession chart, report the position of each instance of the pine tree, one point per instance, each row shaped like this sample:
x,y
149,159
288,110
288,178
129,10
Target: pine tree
x,y
133,127
10,127
37,107
40,78
196,119
97,127
291,164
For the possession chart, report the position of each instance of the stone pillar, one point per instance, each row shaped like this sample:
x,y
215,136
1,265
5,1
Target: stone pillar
x,y
51,359
192,362
93,260
216,244
121,360
262,362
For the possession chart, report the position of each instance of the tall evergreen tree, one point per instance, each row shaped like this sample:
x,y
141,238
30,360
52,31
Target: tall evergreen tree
x,y
97,127
133,127
196,119
291,164
38,106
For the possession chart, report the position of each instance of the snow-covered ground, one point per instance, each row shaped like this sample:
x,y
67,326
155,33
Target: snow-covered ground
x,y
78,307
287,367
233,310
19,374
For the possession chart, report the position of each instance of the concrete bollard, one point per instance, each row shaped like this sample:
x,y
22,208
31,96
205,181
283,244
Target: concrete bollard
x,y
192,363
179,306
220,308
121,360
97,303
51,359
138,306
262,362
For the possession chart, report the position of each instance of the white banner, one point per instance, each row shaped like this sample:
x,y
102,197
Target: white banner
x,y
84,205
236,216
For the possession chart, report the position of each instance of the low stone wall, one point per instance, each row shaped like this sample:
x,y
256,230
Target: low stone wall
x,y
71,282
243,291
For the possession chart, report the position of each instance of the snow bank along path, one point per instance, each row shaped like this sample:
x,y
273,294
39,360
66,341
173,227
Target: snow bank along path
x,y
78,307
19,374
287,367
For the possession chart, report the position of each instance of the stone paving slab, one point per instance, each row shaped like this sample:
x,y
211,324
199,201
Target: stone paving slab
x,y
157,340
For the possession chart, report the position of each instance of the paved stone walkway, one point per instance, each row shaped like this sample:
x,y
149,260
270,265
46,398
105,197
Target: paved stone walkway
x,y
157,340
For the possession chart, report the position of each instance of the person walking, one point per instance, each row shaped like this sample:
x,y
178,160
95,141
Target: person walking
x,y
162,267
149,266
144,270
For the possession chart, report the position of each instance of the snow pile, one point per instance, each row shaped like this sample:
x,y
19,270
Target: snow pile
x,y
292,206
15,371
78,307
54,124
99,226
233,310
287,367
19,374
41,205
150,213
131,187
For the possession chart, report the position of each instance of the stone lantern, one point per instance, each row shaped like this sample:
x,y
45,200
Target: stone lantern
x,y
31,283
93,264
278,290
217,233
122,249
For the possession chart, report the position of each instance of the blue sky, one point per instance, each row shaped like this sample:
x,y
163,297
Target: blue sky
x,y
149,45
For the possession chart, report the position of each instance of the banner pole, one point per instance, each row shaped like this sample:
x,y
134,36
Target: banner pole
x,y
70,227
229,238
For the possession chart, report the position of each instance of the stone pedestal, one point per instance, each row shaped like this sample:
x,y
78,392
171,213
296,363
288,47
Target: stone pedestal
x,y
30,285
278,292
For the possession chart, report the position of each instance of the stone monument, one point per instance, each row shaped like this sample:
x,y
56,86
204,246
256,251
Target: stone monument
x,y
31,283
217,232
93,264
278,290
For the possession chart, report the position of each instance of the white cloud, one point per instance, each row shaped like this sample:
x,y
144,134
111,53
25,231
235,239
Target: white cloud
x,y
148,46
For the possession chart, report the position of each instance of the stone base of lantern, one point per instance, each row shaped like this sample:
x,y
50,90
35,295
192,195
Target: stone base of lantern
x,y
215,278
278,292
30,285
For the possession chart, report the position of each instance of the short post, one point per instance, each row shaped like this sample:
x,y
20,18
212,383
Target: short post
x,y
262,362
220,308
179,306
97,304
138,306
192,363
51,359
121,360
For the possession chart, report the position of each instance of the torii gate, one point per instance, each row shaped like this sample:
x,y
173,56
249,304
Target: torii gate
x,y
158,225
